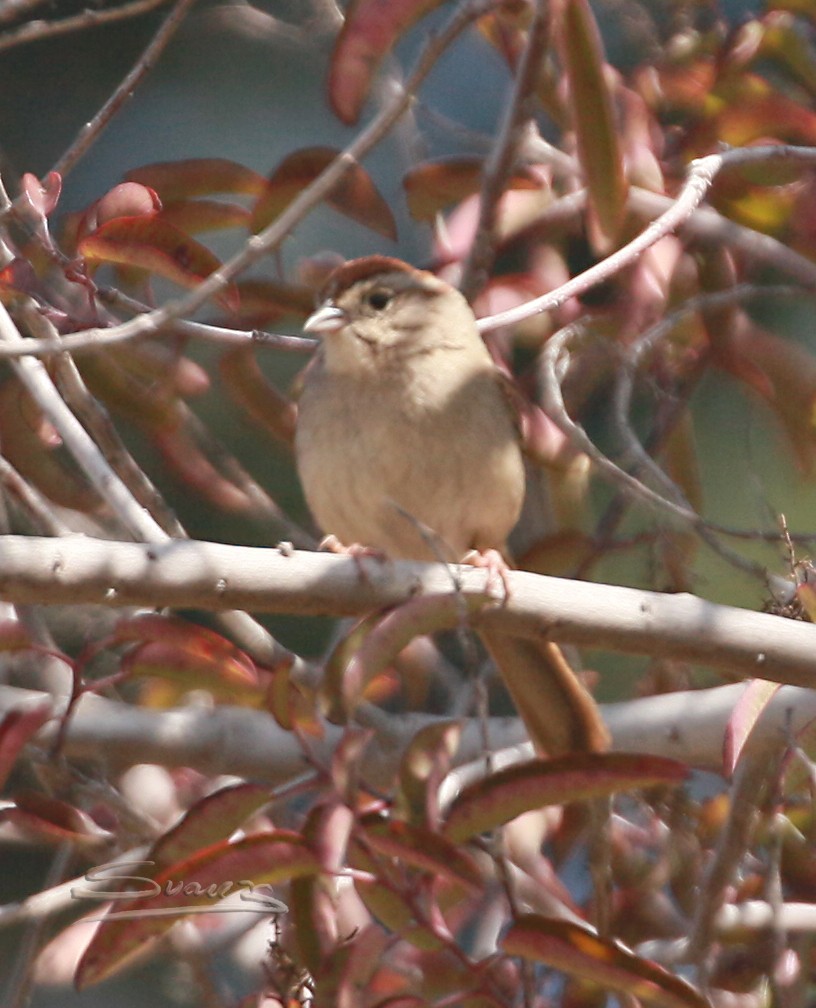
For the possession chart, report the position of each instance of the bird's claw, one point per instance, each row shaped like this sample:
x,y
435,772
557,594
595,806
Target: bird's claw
x,y
357,552
497,570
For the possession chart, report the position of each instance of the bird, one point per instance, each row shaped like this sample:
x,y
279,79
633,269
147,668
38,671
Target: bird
x,y
407,444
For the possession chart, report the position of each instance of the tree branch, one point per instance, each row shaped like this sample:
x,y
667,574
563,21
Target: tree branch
x,y
215,576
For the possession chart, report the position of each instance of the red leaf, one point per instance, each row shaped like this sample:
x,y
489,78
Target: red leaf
x,y
355,195
423,767
48,819
193,665
210,820
189,464
129,199
421,848
248,386
369,33
435,185
266,301
42,196
176,180
16,728
508,793
152,244
194,216
576,950
260,859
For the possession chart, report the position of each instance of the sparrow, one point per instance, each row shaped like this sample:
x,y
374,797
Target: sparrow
x,y
407,443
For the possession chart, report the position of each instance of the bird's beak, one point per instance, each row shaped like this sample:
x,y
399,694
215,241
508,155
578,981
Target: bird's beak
x,y
327,319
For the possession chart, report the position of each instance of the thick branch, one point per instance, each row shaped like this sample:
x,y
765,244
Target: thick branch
x,y
215,576
686,726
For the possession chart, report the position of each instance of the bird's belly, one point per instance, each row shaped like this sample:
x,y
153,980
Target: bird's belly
x,y
363,489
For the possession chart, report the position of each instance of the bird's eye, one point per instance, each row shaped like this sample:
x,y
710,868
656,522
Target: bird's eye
x,y
378,299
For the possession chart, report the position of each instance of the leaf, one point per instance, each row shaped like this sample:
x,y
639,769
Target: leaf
x,y
747,711
210,820
508,793
152,244
433,186
369,33
593,119
421,848
48,819
424,765
354,195
150,405
16,728
345,763
576,950
332,698
265,301
177,180
32,446
781,372
41,196
393,910
260,859
194,216
129,199
188,463
193,666
249,388
381,638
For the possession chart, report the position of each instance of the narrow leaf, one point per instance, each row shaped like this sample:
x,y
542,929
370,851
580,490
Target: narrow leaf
x,y
576,950
593,118
195,216
421,848
576,777
258,397
199,881
212,819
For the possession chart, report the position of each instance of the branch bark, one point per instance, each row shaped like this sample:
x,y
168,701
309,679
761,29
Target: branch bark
x,y
215,576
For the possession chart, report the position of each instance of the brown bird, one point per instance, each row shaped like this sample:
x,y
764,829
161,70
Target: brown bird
x,y
404,427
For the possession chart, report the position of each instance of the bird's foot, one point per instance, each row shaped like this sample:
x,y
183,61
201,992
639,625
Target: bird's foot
x,y
497,584
357,552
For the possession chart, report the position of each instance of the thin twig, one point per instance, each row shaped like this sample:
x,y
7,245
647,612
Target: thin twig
x,y
40,511
141,525
91,131
37,381
757,772
702,173
641,459
270,238
97,422
33,31
676,507
505,150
